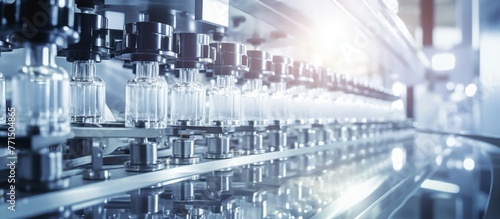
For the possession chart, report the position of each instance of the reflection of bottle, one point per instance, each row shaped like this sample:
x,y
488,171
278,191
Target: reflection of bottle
x,y
146,98
2,99
188,99
41,93
224,101
87,93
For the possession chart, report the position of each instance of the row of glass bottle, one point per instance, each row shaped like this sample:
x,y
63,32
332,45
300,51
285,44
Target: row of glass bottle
x,y
228,105
44,97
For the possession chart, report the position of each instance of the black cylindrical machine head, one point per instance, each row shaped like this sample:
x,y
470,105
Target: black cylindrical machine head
x,y
302,73
260,63
96,43
147,41
231,59
40,22
193,50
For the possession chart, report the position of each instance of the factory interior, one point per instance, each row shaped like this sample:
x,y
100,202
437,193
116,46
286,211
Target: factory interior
x,y
249,109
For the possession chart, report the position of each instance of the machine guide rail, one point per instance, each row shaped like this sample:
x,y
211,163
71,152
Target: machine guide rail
x,y
121,181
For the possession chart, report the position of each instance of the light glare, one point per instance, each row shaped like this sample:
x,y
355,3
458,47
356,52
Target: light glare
x,y
440,186
398,156
398,88
469,164
443,62
470,90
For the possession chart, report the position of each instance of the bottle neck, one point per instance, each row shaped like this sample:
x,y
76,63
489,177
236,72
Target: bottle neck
x,y
254,84
41,55
278,87
188,75
147,69
225,81
84,69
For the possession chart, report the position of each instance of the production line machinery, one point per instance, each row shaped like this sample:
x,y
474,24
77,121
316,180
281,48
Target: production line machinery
x,y
210,129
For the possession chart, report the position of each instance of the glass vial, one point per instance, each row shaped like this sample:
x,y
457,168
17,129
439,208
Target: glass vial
x,y
3,109
224,101
188,99
277,102
253,101
88,93
299,105
146,98
41,94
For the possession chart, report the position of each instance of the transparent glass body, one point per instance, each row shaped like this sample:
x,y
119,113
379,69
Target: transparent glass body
x,y
253,100
146,98
88,93
344,106
41,93
278,100
188,99
300,104
321,104
224,101
2,100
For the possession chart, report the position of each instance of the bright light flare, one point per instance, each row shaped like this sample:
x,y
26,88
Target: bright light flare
x,y
469,164
440,186
443,62
398,88
470,90
398,157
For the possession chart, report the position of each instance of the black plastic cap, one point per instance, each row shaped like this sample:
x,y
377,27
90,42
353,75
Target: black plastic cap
x,y
40,22
231,59
193,50
147,41
260,63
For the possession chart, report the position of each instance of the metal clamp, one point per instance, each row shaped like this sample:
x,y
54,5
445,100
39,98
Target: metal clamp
x,y
96,172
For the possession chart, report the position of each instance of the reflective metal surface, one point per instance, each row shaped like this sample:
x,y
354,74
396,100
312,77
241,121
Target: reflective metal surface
x,y
367,179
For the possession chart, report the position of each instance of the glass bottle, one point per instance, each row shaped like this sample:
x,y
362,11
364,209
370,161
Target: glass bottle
x,y
278,100
299,106
41,93
3,109
224,101
146,98
320,104
253,101
88,93
188,99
